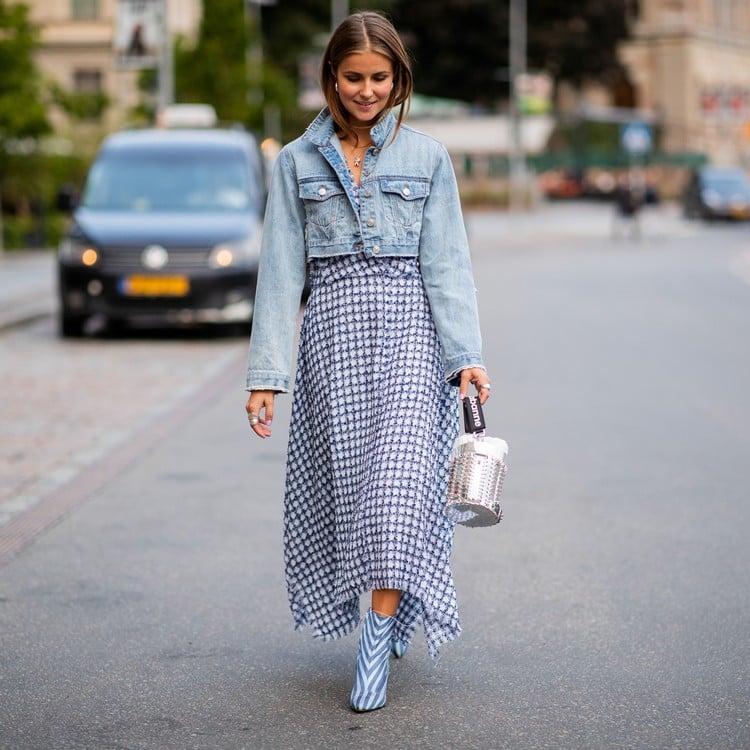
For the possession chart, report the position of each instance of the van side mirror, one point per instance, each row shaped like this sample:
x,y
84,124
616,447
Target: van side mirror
x,y
67,199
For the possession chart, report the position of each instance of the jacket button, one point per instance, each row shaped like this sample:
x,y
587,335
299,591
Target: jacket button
x,y
376,249
321,191
406,191
371,222
368,193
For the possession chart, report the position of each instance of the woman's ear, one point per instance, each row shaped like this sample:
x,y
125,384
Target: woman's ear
x,y
333,75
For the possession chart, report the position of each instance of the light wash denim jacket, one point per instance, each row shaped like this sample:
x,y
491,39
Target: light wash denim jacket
x,y
409,207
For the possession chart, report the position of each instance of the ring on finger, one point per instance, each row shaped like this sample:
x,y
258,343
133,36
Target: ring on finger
x,y
253,419
487,386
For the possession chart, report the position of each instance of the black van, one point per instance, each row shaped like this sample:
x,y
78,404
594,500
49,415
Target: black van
x,y
167,230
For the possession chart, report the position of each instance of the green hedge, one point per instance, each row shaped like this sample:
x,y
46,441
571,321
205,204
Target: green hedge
x,y
29,184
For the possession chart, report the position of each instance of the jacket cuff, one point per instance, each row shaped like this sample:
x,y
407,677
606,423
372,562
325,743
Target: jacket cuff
x,y
265,380
453,377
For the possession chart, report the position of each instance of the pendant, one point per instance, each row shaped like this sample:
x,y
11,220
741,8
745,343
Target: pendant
x,y
357,161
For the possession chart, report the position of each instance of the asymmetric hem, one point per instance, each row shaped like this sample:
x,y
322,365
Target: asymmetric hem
x,y
373,422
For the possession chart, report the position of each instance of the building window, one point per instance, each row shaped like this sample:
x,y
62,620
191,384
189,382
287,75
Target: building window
x,y
87,81
85,10
89,100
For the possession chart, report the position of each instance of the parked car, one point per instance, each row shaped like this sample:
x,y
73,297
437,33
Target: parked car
x,y
167,230
717,193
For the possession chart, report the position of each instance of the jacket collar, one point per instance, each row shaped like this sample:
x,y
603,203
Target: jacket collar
x,y
320,131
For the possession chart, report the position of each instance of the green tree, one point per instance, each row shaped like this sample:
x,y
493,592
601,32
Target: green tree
x,y
577,44
292,28
77,105
223,67
215,71
22,111
460,47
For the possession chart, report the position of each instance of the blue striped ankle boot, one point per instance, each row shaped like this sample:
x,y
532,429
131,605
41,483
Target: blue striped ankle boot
x,y
371,678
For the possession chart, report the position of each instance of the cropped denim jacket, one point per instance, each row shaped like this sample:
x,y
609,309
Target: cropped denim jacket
x,y
409,207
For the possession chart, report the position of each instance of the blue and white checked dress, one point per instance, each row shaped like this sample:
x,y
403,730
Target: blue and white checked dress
x,y
372,427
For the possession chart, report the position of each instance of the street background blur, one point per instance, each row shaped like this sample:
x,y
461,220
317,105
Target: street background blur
x,y
532,99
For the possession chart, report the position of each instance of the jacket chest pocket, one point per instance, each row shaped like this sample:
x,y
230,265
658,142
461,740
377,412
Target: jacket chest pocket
x,y
325,202
403,200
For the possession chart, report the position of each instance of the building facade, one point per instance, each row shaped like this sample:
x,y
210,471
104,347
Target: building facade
x,y
77,52
689,62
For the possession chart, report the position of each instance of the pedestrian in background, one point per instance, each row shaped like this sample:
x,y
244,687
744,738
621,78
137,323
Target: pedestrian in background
x,y
629,198
389,339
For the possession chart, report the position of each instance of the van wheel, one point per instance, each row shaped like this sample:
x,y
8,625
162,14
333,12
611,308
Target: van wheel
x,y
71,326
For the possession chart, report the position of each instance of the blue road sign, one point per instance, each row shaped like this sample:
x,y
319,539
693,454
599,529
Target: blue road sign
x,y
636,137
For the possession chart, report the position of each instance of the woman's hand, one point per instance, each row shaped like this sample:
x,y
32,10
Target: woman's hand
x,y
259,408
481,382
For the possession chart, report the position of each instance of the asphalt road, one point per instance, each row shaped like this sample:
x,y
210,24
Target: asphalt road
x,y
610,609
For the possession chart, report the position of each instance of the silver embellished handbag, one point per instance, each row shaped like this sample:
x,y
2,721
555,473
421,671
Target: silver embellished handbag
x,y
477,471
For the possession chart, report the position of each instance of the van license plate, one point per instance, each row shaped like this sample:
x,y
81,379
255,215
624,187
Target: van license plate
x,y
155,286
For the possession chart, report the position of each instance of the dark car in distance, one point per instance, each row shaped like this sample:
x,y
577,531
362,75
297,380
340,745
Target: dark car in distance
x,y
717,193
167,230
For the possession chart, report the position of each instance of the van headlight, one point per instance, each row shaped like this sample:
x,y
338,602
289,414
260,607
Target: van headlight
x,y
78,252
238,253
711,198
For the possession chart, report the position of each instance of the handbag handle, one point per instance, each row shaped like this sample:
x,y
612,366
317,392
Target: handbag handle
x,y
473,415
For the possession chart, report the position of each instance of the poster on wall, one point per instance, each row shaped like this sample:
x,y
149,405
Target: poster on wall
x,y
725,102
138,28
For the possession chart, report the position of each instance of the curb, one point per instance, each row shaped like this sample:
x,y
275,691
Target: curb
x,y
19,316
27,287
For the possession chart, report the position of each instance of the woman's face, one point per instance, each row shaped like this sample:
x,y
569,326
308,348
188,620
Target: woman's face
x,y
365,81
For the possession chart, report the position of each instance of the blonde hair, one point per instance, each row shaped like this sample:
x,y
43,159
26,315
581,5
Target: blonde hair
x,y
366,32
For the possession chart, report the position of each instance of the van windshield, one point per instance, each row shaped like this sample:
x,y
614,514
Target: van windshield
x,y
146,180
727,182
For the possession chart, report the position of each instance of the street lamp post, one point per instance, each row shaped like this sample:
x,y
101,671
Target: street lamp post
x,y
517,55
254,58
166,62
339,11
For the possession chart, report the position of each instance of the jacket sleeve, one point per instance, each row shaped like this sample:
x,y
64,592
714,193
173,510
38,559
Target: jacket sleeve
x,y
445,262
281,278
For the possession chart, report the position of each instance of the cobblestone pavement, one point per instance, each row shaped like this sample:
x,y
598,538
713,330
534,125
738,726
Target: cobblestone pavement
x,y
65,404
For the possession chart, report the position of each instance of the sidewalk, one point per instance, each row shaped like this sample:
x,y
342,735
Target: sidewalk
x,y
27,286
580,220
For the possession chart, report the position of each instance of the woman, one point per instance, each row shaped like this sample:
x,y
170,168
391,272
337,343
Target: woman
x,y
370,208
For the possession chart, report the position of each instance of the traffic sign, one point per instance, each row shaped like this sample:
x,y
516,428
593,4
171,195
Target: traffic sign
x,y
636,137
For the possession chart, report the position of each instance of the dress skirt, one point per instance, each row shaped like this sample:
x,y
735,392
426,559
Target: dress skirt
x,y
373,423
